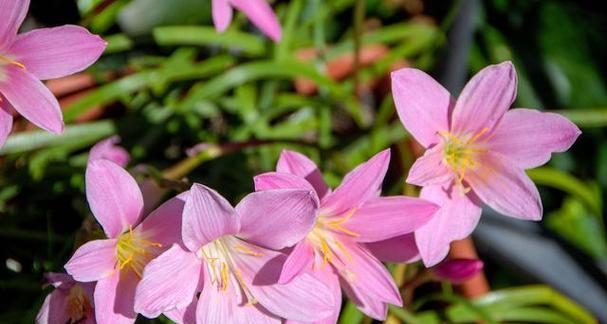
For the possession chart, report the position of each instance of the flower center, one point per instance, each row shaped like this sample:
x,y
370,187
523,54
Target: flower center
x,y
221,266
78,303
325,241
460,152
10,61
134,252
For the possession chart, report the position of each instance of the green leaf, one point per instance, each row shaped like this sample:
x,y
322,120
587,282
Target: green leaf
x,y
208,36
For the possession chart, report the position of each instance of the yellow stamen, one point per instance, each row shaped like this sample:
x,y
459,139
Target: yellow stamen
x,y
336,224
460,154
13,62
134,251
248,251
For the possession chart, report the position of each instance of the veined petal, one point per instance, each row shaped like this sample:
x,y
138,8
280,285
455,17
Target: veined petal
x,y
281,180
170,281
485,99
366,274
370,306
327,276
430,169
456,219
300,165
277,218
359,185
109,150
31,98
206,217
298,261
505,187
528,137
50,53
185,315
93,261
386,217
261,15
222,14
114,297
230,306
304,298
6,121
401,249
163,225
423,105
12,14
113,196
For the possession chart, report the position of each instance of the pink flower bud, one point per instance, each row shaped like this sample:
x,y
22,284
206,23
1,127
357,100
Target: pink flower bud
x,y
457,270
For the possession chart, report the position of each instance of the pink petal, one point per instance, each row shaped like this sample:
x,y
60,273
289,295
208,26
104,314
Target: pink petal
x,y
359,185
261,15
370,306
367,275
304,298
206,217
54,308
50,53
401,249
185,315
298,261
31,98
485,99
163,225
222,14
12,14
277,218
386,217
58,278
457,271
229,306
429,169
423,105
93,261
109,150
280,180
528,136
114,297
505,187
327,276
456,219
6,121
113,196
170,281
300,165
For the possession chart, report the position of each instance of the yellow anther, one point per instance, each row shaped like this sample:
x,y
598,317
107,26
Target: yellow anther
x,y
134,251
13,62
336,224
246,250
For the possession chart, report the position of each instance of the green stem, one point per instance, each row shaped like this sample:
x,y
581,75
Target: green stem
x,y
359,17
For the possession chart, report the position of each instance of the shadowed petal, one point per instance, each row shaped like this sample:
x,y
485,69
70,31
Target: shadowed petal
x,y
505,187
93,261
222,14
401,249
528,137
298,261
277,218
359,185
422,104
261,15
456,219
12,14
185,315
169,281
206,217
50,53
32,99
109,150
386,217
6,121
54,309
114,297
300,165
429,169
485,99
163,225
371,307
113,196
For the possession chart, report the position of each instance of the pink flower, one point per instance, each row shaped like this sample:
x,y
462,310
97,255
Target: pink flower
x,y
70,302
41,54
228,255
117,263
457,271
259,11
477,151
109,150
353,221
